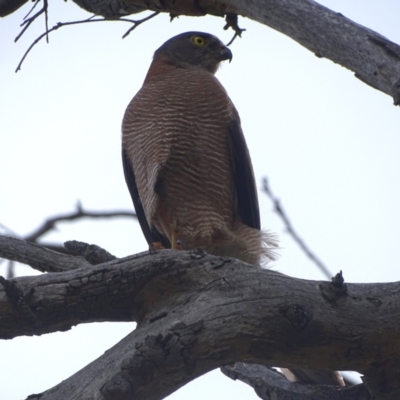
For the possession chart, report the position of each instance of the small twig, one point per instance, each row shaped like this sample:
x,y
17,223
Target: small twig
x,y
33,7
46,19
54,28
27,21
232,22
279,210
135,23
79,213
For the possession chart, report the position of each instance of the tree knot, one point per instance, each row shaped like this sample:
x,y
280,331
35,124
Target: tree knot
x,y
334,290
297,316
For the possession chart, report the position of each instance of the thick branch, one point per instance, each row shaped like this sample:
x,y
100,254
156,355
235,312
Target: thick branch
x,y
38,257
197,312
7,7
270,384
373,58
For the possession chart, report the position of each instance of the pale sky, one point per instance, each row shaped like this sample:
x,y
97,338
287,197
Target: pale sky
x,y
328,143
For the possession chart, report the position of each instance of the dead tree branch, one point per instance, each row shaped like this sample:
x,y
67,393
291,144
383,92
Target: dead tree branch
x,y
197,312
38,257
292,232
269,384
373,58
28,21
135,23
80,213
91,253
7,7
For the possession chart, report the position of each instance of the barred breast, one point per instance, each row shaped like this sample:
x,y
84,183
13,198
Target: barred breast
x,y
175,132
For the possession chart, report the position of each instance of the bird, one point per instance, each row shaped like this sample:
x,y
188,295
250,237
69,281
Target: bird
x,y
185,158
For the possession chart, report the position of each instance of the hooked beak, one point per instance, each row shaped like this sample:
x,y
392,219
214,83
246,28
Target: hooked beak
x,y
225,54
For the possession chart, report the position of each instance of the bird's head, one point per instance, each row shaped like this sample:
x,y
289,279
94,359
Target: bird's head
x,y
194,49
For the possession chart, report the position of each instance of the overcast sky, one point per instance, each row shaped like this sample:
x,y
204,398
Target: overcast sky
x,y
328,143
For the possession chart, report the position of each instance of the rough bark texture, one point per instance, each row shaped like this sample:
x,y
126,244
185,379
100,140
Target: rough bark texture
x,y
7,7
373,58
197,312
270,384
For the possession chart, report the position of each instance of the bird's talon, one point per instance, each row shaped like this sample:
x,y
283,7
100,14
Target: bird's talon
x,y
155,246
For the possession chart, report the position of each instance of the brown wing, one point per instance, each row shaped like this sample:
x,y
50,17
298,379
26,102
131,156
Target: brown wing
x,y
150,232
243,175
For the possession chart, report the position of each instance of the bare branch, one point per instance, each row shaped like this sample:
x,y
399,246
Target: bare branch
x,y
182,301
38,257
373,58
35,3
92,253
27,21
61,24
289,227
137,23
7,7
50,223
46,18
269,384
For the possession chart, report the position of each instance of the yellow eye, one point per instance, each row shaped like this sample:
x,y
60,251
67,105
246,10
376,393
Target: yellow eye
x,y
198,40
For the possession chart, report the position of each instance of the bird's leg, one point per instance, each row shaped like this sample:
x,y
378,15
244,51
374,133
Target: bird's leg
x,y
176,244
156,246
173,239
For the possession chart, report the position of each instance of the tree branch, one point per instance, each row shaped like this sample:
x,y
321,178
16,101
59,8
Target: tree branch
x,y
7,7
51,222
269,384
27,21
135,23
197,312
38,257
373,58
292,232
91,253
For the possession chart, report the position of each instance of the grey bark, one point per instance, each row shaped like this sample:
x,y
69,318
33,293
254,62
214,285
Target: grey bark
x,y
373,58
197,312
270,384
